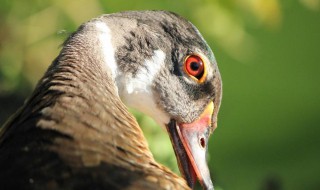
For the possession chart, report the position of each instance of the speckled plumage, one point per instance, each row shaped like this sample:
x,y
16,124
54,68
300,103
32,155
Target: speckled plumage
x,y
74,132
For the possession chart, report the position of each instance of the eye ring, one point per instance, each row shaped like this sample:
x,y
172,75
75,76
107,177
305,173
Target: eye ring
x,y
194,67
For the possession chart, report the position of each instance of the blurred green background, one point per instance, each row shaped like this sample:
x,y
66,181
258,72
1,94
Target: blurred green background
x,y
268,54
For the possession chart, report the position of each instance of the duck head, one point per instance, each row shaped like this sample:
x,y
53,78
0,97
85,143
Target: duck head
x,y
162,66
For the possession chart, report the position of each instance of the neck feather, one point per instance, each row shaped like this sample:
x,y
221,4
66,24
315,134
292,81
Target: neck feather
x,y
87,106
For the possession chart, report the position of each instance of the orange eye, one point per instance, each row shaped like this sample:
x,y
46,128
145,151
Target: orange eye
x,y
194,66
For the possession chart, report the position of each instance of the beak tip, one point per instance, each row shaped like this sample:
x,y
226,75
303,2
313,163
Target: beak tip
x,y
210,187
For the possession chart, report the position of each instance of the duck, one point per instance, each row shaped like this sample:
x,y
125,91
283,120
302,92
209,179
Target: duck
x,y
75,130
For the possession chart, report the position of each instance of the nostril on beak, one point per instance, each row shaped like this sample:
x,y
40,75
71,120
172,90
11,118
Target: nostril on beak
x,y
202,142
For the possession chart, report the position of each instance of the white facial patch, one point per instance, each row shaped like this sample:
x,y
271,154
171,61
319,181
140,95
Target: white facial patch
x,y
136,91
105,37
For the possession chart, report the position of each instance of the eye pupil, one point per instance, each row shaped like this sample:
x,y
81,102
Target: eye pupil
x,y
194,66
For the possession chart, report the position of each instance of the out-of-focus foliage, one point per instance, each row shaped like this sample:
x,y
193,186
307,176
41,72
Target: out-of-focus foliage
x,y
268,54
